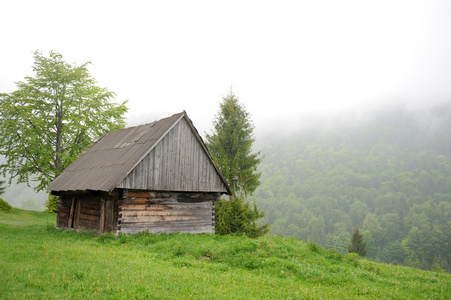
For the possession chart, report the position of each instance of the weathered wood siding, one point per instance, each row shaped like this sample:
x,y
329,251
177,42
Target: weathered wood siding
x,y
161,212
82,210
177,163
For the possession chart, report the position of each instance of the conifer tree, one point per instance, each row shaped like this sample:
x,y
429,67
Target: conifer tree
x,y
357,243
230,144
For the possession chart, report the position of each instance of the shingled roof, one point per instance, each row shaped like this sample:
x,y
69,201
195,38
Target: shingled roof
x,y
115,155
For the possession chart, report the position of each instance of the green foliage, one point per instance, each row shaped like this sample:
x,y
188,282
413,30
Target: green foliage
x,y
4,205
437,268
237,217
230,144
199,266
2,187
393,253
357,244
52,204
387,175
353,258
51,118
314,247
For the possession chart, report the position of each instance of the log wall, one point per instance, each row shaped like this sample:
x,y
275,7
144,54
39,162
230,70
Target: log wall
x,y
82,210
167,212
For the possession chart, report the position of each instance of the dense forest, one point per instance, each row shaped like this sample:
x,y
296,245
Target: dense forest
x,y
389,174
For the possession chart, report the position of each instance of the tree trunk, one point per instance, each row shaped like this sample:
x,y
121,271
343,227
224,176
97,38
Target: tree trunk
x,y
59,129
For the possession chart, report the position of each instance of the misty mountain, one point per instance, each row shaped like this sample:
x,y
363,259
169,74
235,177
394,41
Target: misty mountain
x,y
21,195
390,174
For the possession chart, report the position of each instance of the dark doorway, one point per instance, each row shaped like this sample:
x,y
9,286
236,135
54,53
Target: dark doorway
x,y
74,214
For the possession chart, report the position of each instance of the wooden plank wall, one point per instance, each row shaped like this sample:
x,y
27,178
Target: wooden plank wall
x,y
62,216
160,212
89,209
177,163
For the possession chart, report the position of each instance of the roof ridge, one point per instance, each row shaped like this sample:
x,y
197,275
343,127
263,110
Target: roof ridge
x,y
118,153
150,148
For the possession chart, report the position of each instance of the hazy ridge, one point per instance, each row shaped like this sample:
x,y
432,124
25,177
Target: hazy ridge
x,y
389,173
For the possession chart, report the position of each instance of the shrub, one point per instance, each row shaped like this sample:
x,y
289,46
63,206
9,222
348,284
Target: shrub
x,y
314,247
237,217
106,238
353,259
4,205
52,204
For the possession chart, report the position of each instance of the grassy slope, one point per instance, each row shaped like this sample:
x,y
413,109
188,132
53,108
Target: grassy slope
x,y
37,261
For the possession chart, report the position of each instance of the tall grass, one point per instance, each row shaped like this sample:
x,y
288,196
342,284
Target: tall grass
x,y
40,262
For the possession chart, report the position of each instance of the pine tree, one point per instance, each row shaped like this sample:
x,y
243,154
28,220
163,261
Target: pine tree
x,y
230,145
357,243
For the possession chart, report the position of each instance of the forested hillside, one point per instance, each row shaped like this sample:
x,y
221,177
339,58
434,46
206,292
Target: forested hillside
x,y
390,175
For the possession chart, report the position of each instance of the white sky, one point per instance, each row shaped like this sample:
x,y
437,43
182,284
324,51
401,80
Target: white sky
x,y
284,59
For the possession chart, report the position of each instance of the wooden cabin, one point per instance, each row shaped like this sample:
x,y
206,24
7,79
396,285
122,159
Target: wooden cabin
x,y
158,177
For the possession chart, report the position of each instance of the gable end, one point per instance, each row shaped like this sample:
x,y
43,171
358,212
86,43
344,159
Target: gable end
x,y
179,162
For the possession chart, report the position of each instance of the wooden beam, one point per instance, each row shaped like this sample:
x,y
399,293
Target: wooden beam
x,y
77,212
71,214
102,215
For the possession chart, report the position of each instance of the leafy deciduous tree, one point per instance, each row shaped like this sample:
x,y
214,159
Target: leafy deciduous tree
x,y
52,117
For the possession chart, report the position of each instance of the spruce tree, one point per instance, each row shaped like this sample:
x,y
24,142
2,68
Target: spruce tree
x,y
357,243
230,145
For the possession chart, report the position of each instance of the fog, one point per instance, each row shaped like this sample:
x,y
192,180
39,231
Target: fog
x,y
290,62
294,64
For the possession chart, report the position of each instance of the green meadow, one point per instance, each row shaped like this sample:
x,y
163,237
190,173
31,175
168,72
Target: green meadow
x,y
38,261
